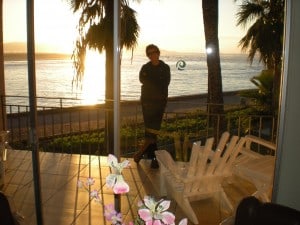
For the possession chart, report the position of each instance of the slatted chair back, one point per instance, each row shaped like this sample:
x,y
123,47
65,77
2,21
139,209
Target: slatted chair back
x,y
203,174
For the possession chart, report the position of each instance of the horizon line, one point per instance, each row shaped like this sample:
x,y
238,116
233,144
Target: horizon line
x,y
20,48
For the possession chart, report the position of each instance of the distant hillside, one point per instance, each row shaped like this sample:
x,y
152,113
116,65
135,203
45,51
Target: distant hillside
x,y
38,56
17,51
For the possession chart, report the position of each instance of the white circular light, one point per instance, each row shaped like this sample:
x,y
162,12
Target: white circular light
x,y
209,50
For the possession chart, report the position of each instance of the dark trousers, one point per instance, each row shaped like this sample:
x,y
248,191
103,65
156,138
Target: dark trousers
x,y
6,216
152,115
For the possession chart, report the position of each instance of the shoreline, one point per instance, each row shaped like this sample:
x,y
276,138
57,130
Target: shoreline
x,y
174,102
177,104
53,122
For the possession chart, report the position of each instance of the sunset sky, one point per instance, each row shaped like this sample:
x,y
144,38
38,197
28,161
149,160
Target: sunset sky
x,y
173,25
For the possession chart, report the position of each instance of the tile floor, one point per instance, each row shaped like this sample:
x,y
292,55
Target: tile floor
x,y
64,204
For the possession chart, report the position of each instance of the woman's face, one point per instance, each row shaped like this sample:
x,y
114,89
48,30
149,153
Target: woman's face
x,y
153,55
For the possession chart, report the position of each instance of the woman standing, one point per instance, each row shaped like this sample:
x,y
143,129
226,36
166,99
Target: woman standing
x,y
155,78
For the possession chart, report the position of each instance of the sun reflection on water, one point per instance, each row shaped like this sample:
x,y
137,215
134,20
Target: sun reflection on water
x,y
93,88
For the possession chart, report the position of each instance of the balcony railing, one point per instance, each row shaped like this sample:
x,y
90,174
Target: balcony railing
x,y
80,129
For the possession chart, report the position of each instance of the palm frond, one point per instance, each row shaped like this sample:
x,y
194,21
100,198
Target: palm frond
x,y
264,36
129,28
95,30
248,12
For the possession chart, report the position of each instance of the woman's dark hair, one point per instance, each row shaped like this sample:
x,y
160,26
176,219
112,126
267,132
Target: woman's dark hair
x,y
152,46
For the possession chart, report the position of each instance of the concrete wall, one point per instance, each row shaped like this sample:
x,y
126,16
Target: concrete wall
x,y
287,174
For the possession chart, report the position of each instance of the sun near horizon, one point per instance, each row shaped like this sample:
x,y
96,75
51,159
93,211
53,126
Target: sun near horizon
x,y
174,27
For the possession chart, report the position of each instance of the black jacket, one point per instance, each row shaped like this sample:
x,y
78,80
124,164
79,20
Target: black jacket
x,y
155,81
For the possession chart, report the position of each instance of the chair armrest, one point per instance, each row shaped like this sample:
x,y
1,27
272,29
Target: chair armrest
x,y
250,139
248,153
253,139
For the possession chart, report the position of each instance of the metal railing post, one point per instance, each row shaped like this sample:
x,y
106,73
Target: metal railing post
x,y
34,141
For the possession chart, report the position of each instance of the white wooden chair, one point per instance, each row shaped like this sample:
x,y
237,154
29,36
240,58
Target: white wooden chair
x,y
202,176
256,167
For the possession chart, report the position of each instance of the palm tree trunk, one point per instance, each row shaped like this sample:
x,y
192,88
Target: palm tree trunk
x,y
215,93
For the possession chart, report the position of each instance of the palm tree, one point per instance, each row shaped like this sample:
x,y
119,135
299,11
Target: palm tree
x,y
215,94
263,95
264,36
96,32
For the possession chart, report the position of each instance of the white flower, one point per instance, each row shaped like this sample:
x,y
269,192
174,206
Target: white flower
x,y
156,212
115,180
150,211
115,166
95,194
90,181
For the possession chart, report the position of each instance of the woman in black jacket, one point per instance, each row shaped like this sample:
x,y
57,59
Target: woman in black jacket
x,y
155,78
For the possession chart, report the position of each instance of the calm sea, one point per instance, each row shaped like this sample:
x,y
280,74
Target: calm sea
x,y
54,78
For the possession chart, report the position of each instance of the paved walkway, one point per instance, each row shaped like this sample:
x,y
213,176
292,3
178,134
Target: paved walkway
x,y
65,204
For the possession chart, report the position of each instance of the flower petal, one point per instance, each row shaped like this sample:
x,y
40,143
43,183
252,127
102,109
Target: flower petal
x,y
124,164
183,221
140,204
112,160
120,186
95,194
164,205
168,218
150,203
145,214
109,212
157,222
117,219
111,180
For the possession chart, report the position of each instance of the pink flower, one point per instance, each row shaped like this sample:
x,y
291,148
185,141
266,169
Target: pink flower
x,y
117,183
154,213
150,211
112,215
95,194
115,180
120,186
90,181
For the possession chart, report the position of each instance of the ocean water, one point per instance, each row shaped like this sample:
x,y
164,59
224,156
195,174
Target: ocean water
x,y
54,78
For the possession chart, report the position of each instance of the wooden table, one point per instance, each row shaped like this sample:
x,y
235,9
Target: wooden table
x,y
260,172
